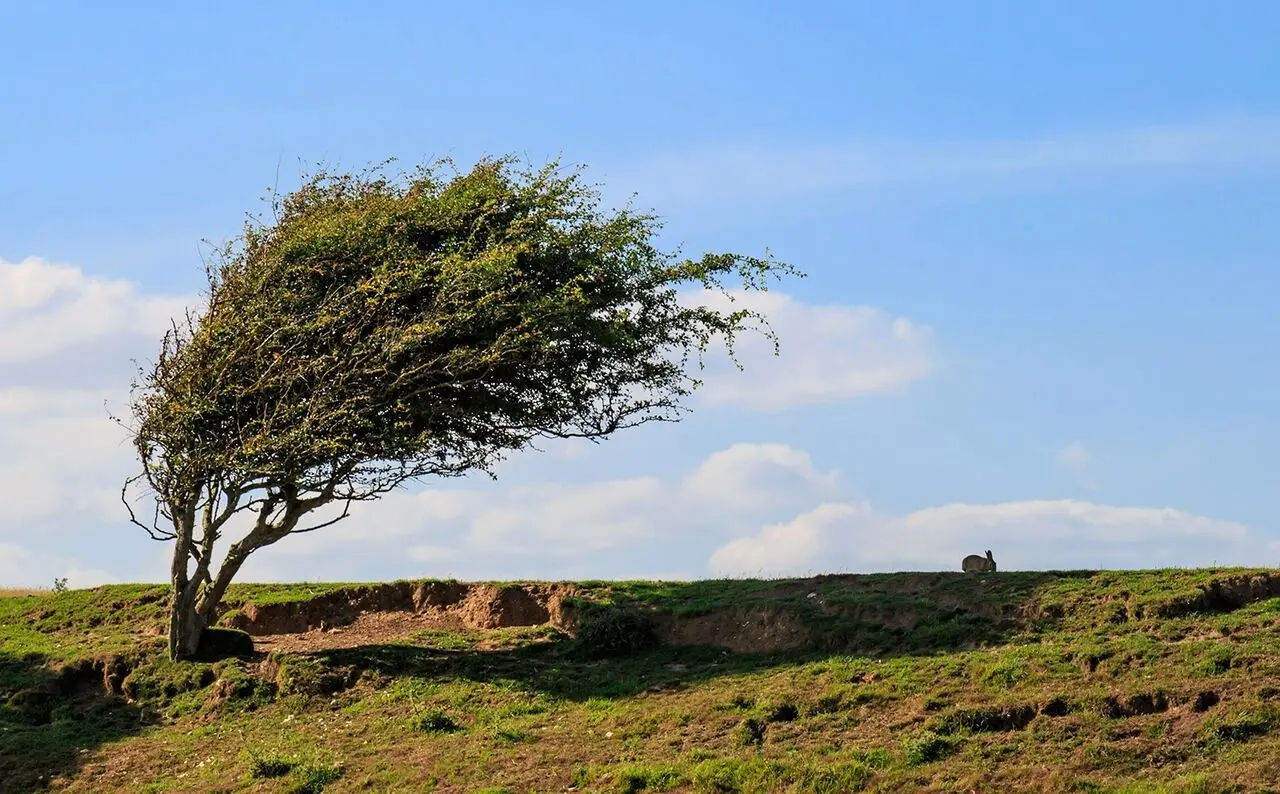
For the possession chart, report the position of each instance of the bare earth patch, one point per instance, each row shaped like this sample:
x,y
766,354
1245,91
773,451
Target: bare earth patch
x,y
371,628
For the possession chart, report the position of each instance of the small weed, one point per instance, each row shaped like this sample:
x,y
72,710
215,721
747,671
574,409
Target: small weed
x,y
312,778
300,675
647,777
270,766
409,689
444,640
509,735
1241,728
742,702
1216,661
927,747
993,719
834,779
750,732
1005,674
436,721
829,702
237,690
718,775
524,709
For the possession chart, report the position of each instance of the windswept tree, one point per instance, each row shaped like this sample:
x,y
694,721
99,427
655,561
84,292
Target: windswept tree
x,y
382,329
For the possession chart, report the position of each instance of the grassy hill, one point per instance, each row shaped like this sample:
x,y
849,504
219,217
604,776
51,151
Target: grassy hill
x,y
1078,681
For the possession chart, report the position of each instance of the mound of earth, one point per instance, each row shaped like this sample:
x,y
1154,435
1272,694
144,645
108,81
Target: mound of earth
x,y
358,615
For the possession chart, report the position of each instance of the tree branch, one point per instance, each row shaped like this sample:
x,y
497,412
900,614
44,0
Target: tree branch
x,y
154,531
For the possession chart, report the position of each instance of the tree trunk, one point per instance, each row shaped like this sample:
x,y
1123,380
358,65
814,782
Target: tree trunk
x,y
184,622
185,625
196,599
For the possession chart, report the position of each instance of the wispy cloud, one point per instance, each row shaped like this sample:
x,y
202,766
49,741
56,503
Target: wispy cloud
x,y
1074,457
730,171
1077,459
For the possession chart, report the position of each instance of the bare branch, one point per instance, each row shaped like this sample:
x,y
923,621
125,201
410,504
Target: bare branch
x,y
154,530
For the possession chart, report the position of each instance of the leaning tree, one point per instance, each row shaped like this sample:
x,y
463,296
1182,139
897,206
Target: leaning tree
x,y
376,330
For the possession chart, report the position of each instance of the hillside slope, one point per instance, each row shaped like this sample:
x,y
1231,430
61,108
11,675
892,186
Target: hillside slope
x,y
1062,681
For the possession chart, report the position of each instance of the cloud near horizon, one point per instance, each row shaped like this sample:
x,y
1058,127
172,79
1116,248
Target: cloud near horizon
x,y
752,509
1036,534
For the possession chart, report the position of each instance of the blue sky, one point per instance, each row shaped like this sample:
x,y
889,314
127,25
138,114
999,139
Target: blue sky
x,y
1071,206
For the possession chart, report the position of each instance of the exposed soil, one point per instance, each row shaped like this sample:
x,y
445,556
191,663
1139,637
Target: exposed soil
x,y
355,613
368,629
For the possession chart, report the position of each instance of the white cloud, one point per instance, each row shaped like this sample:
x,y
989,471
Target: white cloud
x,y
729,172
46,308
1025,535
568,520
793,548
755,476
630,527
619,523
829,353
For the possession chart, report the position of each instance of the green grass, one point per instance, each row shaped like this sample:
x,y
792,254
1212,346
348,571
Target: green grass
x,y
1143,681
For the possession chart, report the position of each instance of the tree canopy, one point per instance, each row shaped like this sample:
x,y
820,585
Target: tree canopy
x,y
378,329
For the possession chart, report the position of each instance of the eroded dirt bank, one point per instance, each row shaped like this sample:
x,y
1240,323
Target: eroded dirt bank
x,y
439,604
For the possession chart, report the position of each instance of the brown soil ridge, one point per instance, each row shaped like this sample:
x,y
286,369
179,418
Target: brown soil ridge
x,y
444,604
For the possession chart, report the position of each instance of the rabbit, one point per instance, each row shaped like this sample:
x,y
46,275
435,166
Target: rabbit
x,y
975,564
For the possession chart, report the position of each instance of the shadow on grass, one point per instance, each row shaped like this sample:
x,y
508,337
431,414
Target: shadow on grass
x,y
555,668
51,721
